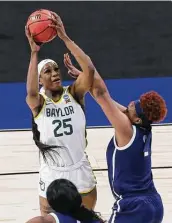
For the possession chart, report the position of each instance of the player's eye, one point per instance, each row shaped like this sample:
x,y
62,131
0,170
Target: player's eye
x,y
56,69
47,71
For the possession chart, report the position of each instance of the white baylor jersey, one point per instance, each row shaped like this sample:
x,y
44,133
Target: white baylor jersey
x,y
62,124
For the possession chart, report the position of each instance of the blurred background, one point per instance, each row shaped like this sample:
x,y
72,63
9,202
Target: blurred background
x,y
130,44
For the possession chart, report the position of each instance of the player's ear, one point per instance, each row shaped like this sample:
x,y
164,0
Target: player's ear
x,y
40,81
138,121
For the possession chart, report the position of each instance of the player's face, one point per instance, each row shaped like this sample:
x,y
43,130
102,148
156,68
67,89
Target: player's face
x,y
50,77
131,113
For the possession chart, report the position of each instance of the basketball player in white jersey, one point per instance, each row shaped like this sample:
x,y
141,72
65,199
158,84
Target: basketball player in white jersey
x,y
59,121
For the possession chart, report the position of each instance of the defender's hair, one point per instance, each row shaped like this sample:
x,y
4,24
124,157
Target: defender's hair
x,y
154,106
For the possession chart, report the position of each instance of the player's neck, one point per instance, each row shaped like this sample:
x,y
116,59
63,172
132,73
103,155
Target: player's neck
x,y
55,95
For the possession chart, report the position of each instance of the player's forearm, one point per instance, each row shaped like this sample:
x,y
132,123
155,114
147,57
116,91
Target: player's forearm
x,y
32,77
83,60
98,83
120,107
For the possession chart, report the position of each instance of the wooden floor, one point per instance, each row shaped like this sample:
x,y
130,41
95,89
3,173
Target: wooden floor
x,y
18,192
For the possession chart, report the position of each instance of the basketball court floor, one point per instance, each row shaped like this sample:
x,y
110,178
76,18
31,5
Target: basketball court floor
x,y
19,165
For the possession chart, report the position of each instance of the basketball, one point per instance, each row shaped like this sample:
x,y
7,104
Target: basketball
x,y
38,25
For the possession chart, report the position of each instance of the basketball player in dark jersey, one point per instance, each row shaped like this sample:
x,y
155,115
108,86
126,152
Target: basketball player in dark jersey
x,y
129,152
64,198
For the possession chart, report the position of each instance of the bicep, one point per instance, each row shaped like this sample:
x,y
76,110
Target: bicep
x,y
34,101
84,82
78,97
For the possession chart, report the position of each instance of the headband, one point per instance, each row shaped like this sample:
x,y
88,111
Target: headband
x,y
138,108
43,63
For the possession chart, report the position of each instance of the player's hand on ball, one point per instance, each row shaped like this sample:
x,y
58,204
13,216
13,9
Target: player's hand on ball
x,y
58,26
72,71
34,47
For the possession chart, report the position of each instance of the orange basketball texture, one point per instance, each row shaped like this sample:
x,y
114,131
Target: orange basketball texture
x,y
38,25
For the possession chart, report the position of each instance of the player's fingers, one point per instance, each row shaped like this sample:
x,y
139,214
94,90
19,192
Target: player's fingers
x,y
27,32
69,63
55,26
65,63
65,56
68,59
72,75
54,20
54,14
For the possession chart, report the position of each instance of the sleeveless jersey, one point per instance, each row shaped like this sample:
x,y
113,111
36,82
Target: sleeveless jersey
x,y
61,218
62,124
129,167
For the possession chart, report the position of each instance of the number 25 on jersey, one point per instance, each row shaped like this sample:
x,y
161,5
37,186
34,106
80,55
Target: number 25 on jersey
x,y
62,127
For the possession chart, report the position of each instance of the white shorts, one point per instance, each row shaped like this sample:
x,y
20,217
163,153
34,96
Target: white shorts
x,y
80,174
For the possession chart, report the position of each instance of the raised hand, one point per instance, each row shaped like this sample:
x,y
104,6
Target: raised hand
x,y
34,47
72,71
58,25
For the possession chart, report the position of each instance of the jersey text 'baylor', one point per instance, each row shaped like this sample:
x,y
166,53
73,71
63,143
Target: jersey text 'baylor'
x,y
63,124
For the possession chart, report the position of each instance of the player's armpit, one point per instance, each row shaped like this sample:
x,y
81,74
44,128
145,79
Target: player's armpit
x,y
34,102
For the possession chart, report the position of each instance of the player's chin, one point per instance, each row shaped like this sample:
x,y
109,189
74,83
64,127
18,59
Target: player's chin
x,y
56,86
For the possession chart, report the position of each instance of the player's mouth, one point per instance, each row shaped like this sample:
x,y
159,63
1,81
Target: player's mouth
x,y
56,81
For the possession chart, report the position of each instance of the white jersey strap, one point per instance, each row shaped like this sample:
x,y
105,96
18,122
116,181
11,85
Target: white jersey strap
x,y
43,95
66,88
55,217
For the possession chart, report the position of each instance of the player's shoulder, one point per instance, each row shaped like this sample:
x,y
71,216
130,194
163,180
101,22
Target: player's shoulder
x,y
52,218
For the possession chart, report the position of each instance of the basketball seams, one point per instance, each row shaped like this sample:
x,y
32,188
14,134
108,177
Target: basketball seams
x,y
44,31
39,21
41,31
50,32
42,20
41,13
51,36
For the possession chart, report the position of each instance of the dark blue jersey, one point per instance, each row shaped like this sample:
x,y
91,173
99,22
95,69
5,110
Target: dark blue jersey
x,y
129,167
61,218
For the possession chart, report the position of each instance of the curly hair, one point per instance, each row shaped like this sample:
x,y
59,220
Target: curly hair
x,y
154,106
